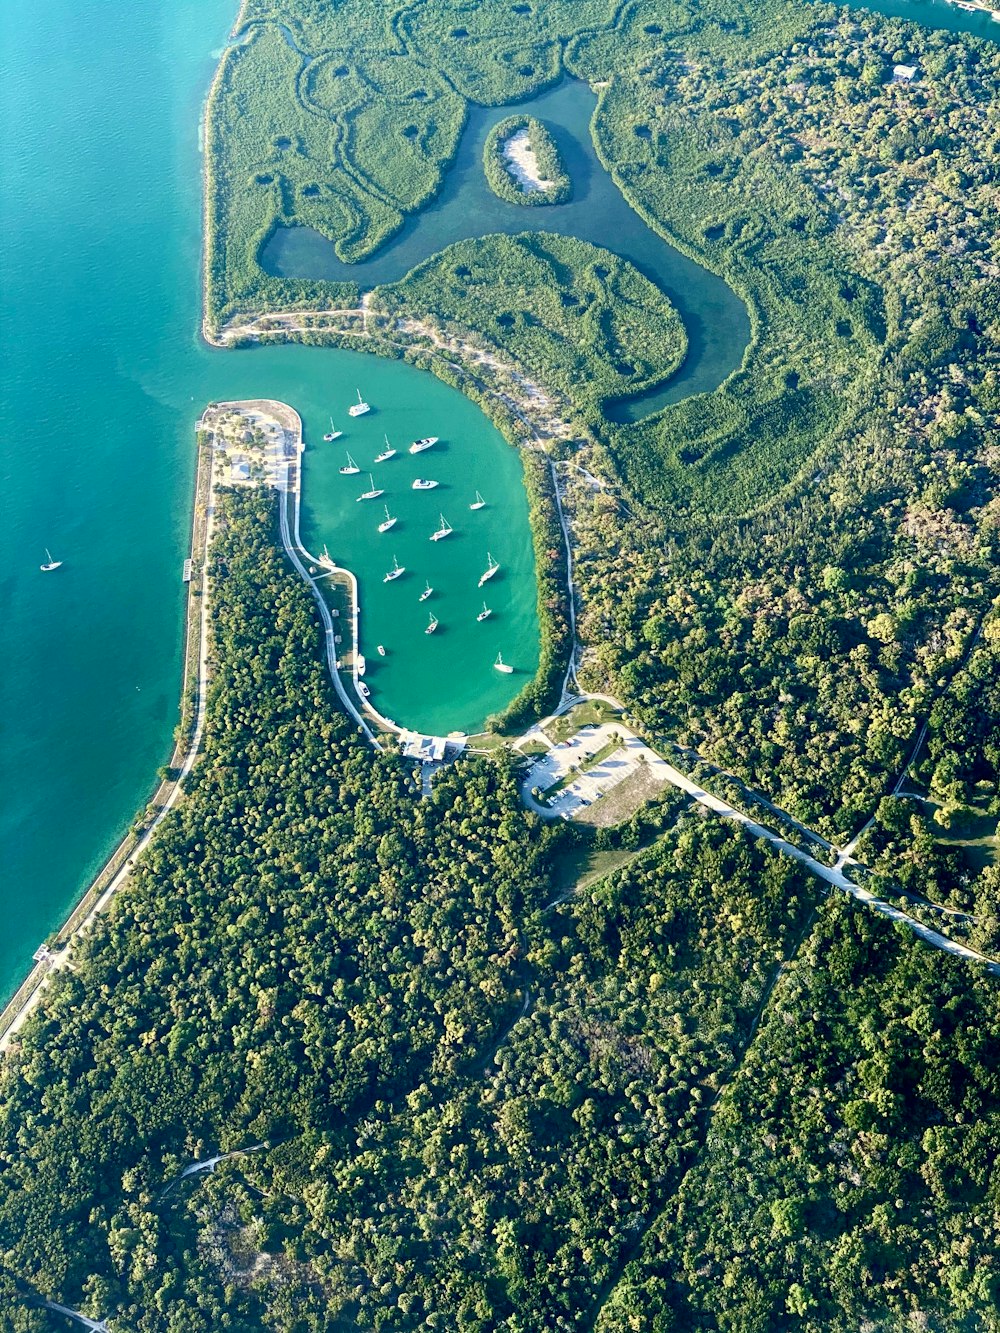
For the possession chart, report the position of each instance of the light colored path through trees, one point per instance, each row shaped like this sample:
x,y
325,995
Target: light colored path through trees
x,y
833,875
98,1326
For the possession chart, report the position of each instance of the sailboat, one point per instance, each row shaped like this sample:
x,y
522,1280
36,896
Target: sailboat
x,y
418,446
445,530
373,492
432,624
478,503
501,665
491,568
359,408
351,468
333,433
395,572
426,593
390,521
387,452
485,613
50,564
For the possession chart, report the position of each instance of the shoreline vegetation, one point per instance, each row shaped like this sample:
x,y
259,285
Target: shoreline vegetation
x,y
532,420
96,898
523,164
699,1089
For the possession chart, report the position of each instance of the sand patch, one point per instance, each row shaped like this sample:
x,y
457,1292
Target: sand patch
x,y
521,162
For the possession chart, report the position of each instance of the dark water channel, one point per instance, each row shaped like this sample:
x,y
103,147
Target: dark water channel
x,y
716,320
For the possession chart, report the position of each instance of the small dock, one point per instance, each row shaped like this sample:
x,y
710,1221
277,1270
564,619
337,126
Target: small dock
x,y
186,576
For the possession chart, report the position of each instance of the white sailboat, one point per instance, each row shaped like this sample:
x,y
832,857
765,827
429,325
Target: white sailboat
x,y
373,491
333,433
395,572
501,665
478,503
50,564
445,530
387,453
390,521
426,593
418,446
432,624
359,408
485,613
421,484
351,469
491,568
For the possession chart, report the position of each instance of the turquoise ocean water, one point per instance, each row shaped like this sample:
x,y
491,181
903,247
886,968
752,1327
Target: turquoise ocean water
x,y
102,375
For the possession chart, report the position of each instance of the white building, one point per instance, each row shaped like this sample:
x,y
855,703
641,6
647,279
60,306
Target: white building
x,y
428,749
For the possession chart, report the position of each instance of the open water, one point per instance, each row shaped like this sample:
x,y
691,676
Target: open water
x,y
103,376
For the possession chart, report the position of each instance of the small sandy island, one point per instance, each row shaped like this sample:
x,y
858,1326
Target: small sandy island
x,y
521,162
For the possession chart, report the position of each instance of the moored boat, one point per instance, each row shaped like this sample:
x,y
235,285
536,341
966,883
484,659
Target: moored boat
x,y
380,649
478,502
390,521
360,407
432,624
363,690
387,453
485,613
491,568
50,564
395,572
373,491
362,664
333,433
445,530
501,665
418,446
426,593
422,484
351,469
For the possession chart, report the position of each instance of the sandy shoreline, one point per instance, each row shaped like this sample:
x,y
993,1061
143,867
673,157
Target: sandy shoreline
x,y
522,163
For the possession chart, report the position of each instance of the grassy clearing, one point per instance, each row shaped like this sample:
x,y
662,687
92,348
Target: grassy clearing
x,y
578,868
623,800
592,713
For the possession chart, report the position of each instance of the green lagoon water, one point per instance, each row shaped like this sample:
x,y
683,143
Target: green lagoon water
x,y
103,375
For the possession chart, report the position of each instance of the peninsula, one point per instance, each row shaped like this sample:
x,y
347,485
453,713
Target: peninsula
x,y
672,995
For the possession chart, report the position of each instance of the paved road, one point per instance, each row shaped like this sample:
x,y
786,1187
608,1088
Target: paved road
x,y
291,549
833,875
98,1326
